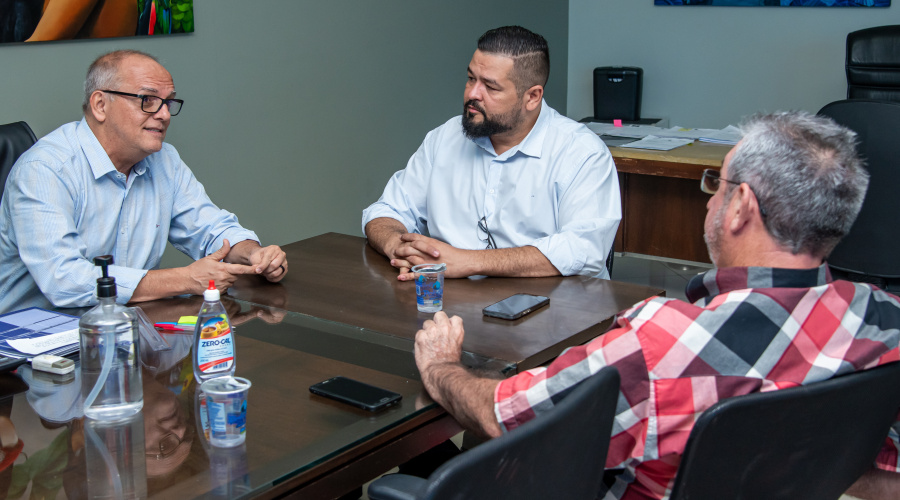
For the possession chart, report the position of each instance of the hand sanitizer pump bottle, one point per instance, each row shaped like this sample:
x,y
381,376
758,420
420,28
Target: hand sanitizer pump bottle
x,y
110,354
213,352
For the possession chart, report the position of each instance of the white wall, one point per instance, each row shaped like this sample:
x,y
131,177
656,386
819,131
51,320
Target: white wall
x,y
296,111
709,66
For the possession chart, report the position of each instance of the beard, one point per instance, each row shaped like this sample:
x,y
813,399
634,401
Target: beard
x,y
490,125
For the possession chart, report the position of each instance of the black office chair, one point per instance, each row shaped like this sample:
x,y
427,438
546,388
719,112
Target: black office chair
x,y
873,64
557,455
15,139
808,442
869,252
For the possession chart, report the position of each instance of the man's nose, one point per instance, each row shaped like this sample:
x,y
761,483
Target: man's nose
x,y
473,91
163,113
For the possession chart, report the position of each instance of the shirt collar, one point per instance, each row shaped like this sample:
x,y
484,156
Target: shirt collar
x,y
97,158
719,281
531,145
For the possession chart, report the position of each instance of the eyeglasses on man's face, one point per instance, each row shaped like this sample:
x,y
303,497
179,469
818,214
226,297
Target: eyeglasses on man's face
x,y
151,103
711,180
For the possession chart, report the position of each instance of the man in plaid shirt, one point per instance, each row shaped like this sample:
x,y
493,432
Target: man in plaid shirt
x,y
769,317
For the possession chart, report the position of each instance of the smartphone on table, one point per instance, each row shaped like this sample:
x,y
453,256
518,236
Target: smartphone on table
x,y
516,306
355,393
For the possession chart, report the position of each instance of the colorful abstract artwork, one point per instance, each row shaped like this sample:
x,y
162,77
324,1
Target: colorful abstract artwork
x,y
49,20
781,3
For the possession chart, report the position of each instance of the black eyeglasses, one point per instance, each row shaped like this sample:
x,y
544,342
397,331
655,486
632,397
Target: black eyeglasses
x,y
167,446
489,239
151,103
711,179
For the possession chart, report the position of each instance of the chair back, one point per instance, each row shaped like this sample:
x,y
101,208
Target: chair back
x,y
15,139
868,251
560,454
873,63
808,442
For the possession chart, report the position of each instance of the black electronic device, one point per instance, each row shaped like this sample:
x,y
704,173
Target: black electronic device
x,y
617,93
355,393
516,306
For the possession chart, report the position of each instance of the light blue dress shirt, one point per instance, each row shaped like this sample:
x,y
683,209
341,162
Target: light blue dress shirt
x,y
65,203
557,191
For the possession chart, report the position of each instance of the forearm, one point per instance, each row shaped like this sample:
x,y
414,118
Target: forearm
x,y
526,261
876,484
163,283
240,252
384,232
466,396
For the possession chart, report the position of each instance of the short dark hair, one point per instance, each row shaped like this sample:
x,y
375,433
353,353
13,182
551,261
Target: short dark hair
x,y
528,50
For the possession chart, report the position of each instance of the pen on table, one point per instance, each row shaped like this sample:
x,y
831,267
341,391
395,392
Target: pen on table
x,y
174,327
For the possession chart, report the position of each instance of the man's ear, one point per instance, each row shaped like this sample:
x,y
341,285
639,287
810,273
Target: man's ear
x,y
739,208
533,97
97,106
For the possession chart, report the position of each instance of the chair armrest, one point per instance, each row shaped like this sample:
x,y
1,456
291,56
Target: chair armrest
x,y
397,487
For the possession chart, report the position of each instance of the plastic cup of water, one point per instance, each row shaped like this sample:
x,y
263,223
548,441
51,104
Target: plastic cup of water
x,y
429,287
226,406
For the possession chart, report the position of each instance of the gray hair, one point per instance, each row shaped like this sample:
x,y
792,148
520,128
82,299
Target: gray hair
x,y
806,174
103,73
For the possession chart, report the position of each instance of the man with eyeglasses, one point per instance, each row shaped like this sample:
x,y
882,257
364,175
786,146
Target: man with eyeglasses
x,y
510,188
768,317
110,185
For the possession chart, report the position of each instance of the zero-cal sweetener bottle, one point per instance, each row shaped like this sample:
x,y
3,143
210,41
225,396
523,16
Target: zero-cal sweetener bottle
x,y
213,339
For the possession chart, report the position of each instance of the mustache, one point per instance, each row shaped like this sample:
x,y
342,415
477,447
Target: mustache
x,y
475,105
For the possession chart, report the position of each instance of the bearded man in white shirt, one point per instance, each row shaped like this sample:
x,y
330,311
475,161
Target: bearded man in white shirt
x,y
510,188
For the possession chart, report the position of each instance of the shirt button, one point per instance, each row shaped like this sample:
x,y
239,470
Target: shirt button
x,y
492,191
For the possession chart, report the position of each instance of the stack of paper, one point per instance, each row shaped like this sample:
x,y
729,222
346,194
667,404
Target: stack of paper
x,y
658,143
728,135
35,331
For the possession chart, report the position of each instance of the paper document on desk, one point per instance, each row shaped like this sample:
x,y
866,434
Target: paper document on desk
x,y
633,131
33,326
728,135
658,143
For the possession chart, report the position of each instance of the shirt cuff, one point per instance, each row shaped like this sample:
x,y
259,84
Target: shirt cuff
x,y
127,279
559,252
378,209
234,236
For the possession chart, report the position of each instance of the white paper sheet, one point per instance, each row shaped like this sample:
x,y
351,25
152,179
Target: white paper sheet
x,y
45,343
658,143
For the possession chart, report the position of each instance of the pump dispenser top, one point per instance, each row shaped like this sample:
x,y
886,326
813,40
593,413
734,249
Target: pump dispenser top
x,y
106,284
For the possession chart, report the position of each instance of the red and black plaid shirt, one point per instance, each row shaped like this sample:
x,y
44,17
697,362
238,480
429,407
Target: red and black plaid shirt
x,y
748,330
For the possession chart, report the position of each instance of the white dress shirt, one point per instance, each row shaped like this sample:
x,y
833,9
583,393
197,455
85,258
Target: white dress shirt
x,y
65,203
557,191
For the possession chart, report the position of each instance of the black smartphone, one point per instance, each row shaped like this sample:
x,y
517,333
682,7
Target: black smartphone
x,y
516,306
355,393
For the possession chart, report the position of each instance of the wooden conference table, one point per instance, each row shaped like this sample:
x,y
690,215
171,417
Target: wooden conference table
x,y
662,206
340,311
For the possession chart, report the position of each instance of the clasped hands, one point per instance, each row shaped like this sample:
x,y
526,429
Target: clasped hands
x,y
223,267
412,249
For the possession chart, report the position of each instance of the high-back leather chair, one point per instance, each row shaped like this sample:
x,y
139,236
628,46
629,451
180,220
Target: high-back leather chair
x,y
809,442
15,139
560,454
873,63
869,252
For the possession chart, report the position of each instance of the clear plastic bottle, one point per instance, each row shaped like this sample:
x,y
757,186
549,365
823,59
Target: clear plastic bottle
x,y
110,354
213,351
